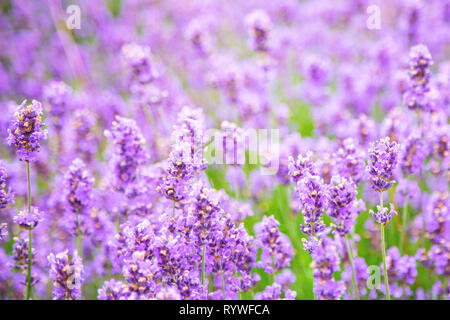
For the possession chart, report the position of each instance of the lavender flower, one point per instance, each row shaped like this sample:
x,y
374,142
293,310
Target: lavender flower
x,y
138,59
3,231
78,187
383,215
67,275
26,131
350,161
277,250
129,154
413,155
114,290
300,167
420,62
28,220
259,27
342,193
6,195
383,159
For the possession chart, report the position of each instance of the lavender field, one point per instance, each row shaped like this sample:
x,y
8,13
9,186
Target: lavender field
x,y
224,150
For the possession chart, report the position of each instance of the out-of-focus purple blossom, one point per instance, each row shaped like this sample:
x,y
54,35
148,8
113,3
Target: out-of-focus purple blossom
x,y
6,195
26,131
28,220
20,253
402,272
408,191
3,231
58,96
277,250
420,62
128,154
413,155
259,27
325,263
67,274
286,278
78,187
437,218
350,161
383,159
138,59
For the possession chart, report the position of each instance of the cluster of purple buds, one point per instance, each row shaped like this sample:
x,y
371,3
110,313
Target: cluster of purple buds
x,y
277,250
67,275
3,231
383,159
413,155
274,292
420,62
350,161
114,290
342,199
128,154
26,131
325,263
6,195
20,252
78,187
28,220
383,215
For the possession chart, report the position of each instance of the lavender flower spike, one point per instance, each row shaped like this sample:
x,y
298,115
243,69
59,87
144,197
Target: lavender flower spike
x,y
383,159
67,275
26,131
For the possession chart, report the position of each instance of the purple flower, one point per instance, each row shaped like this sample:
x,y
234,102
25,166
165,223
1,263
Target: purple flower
x,y
300,167
350,161
67,275
383,159
413,155
138,59
20,253
115,290
6,195
28,220
26,131
259,27
59,98
325,263
342,197
78,187
128,155
277,250
383,215
3,231
420,62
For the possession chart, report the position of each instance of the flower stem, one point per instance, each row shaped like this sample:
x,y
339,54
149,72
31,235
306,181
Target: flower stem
x,y
350,257
383,251
223,280
79,238
30,241
383,248
404,218
203,265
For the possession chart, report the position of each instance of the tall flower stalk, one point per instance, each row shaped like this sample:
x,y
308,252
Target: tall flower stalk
x,y
25,133
383,159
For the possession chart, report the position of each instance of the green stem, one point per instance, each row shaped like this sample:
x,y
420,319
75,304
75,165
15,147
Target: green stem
x,y
383,247
30,240
383,251
223,280
79,238
173,209
405,219
350,257
203,265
